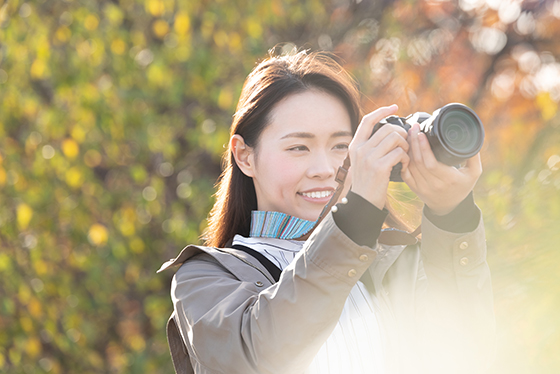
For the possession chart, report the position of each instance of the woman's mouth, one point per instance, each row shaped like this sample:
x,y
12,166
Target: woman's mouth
x,y
322,197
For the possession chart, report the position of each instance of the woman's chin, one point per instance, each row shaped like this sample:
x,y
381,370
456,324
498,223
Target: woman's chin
x,y
310,216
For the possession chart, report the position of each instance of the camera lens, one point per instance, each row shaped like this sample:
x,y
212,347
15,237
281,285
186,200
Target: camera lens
x,y
455,133
460,131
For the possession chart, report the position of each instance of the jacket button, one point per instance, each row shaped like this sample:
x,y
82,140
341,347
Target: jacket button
x,y
464,261
464,245
364,258
352,273
259,283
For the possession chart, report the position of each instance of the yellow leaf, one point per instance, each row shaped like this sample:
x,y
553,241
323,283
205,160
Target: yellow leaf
x,y
24,294
26,324
14,353
33,347
2,176
235,42
137,245
43,49
158,75
547,106
38,69
182,24
114,14
95,359
5,261
138,38
137,343
63,34
225,99
127,228
254,29
91,22
4,12
41,267
98,234
220,38
161,28
155,7
78,134
35,308
70,148
118,46
183,52
24,214
74,177
90,92
30,107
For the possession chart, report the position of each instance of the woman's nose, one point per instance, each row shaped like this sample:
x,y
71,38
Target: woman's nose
x,y
322,167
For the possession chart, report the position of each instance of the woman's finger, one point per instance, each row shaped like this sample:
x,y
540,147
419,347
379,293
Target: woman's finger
x,y
416,153
474,166
420,180
422,154
430,161
365,128
407,178
388,143
385,132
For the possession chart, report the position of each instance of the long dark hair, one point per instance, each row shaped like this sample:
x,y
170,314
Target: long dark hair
x,y
271,81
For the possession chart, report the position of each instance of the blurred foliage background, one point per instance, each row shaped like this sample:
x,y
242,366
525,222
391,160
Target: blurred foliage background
x,y
114,114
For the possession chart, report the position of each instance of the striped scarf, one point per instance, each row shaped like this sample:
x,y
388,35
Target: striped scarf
x,y
278,225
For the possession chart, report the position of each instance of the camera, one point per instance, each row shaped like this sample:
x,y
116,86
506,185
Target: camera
x,y
454,131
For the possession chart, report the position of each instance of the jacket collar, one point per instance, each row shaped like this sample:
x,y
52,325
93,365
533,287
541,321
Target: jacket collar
x,y
235,261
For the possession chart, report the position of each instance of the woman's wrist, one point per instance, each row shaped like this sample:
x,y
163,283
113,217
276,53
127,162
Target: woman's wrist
x,y
377,200
359,219
463,218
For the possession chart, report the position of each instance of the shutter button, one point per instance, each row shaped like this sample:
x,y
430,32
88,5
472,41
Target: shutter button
x,y
259,283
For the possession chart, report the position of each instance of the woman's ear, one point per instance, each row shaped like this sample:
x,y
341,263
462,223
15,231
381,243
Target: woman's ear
x,y
243,154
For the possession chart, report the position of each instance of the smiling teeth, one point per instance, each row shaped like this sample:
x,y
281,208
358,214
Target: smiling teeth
x,y
317,194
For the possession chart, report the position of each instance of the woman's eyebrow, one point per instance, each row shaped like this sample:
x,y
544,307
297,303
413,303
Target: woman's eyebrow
x,y
308,135
341,133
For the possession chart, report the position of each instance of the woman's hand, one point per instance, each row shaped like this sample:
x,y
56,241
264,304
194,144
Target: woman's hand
x,y
441,187
372,158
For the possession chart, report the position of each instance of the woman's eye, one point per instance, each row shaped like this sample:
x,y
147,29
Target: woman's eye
x,y
299,148
342,146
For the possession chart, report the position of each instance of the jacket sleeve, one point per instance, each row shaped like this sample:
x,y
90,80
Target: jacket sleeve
x,y
454,303
233,326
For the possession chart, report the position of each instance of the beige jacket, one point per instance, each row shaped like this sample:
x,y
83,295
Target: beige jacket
x,y
436,308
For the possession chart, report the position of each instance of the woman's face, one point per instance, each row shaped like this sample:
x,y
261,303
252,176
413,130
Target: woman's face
x,y
299,152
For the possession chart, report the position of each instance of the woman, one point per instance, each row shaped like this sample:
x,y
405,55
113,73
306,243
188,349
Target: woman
x,y
257,300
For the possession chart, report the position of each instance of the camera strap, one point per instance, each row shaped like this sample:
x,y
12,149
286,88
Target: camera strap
x,y
388,236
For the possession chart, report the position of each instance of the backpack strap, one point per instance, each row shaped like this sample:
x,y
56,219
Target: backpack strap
x,y
269,265
179,353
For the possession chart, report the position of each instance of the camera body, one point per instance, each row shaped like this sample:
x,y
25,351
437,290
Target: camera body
x,y
454,131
